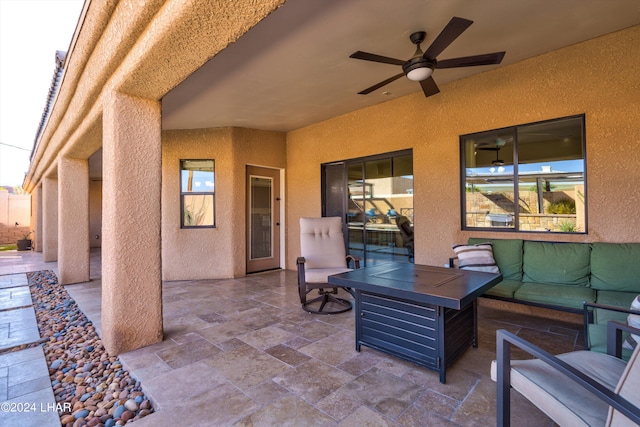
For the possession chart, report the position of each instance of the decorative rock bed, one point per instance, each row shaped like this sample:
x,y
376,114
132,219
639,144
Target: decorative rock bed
x,y
100,392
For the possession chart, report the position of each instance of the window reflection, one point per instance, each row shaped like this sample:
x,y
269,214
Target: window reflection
x,y
197,185
526,178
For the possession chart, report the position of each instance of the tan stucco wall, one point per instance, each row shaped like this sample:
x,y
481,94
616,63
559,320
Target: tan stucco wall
x,y
50,219
36,218
73,221
212,252
145,48
140,47
597,78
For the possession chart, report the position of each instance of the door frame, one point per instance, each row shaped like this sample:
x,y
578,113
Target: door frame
x,y
279,230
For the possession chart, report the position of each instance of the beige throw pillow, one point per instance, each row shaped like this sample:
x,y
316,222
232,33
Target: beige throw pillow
x,y
477,257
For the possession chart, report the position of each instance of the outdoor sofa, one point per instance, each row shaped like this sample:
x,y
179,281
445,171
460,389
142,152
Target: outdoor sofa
x,y
598,280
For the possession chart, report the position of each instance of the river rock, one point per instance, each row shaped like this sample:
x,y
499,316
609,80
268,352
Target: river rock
x,y
82,373
81,414
127,415
131,405
66,419
119,411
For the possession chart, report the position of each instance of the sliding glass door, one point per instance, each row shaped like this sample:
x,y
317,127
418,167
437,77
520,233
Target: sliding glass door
x,y
370,194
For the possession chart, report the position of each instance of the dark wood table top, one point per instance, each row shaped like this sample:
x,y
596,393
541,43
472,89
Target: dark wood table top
x,y
426,284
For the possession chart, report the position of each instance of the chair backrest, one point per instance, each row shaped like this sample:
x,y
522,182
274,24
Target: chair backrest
x,y
322,242
404,225
629,388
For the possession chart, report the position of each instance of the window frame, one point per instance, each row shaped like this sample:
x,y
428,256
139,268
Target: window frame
x,y
516,178
196,193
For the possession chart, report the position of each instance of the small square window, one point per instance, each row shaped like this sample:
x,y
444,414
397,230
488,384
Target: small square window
x,y
197,193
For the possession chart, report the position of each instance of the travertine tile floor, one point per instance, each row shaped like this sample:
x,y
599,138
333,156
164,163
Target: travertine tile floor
x,y
243,352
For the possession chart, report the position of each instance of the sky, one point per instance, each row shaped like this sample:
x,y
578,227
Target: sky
x,y
31,31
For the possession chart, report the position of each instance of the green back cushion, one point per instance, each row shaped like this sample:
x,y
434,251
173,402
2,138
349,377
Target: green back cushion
x,y
508,256
556,263
615,267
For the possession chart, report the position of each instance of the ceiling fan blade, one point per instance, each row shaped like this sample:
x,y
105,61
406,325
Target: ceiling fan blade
x,y
470,61
429,87
379,85
452,31
376,58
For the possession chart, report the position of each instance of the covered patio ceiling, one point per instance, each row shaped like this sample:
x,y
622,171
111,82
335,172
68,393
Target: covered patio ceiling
x,y
293,69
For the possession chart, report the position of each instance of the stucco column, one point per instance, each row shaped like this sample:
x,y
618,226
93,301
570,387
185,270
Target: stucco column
x,y
36,218
131,251
73,220
50,219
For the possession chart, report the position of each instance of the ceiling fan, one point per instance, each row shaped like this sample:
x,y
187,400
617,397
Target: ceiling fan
x,y
421,65
499,143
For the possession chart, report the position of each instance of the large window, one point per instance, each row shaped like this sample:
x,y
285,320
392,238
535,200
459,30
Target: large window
x,y
526,178
197,193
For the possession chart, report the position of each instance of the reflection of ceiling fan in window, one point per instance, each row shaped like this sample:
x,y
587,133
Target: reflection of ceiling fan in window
x,y
496,146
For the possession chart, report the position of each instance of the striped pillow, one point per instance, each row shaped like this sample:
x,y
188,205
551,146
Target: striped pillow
x,y
477,257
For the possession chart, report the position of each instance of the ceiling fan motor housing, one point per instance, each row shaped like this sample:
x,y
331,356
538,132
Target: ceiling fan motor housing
x,y
417,37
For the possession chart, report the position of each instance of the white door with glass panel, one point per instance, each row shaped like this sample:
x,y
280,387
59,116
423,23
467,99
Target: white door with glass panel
x,y
263,219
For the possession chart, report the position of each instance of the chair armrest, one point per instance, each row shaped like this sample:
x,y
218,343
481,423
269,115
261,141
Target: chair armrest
x,y
588,305
614,337
503,359
301,273
355,259
588,308
452,262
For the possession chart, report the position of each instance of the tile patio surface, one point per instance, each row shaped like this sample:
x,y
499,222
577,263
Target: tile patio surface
x,y
243,352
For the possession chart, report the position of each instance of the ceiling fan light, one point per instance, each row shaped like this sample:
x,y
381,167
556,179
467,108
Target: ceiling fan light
x,y
417,69
419,74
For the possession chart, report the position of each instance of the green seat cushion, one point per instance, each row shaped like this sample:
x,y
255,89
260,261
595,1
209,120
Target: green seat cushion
x,y
616,299
556,263
561,295
598,340
508,256
504,289
616,266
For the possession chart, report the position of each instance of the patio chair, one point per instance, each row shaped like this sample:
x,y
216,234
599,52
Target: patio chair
x,y
596,318
392,215
323,254
371,215
580,388
406,232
